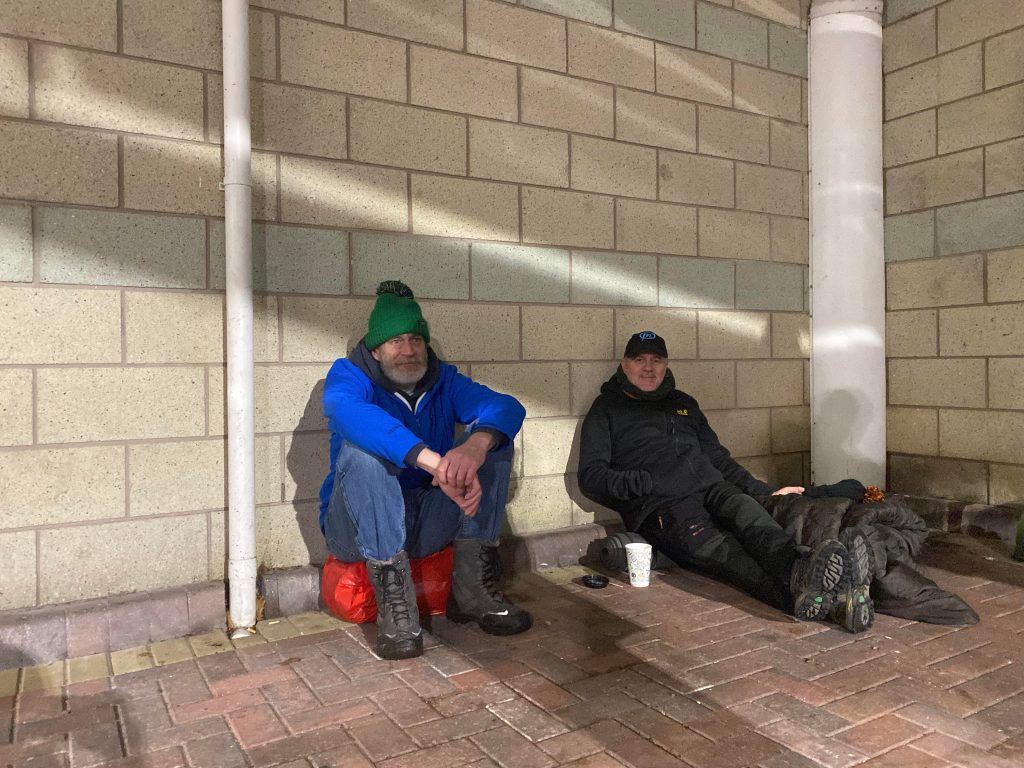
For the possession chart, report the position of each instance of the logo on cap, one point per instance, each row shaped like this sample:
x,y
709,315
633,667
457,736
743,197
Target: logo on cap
x,y
647,335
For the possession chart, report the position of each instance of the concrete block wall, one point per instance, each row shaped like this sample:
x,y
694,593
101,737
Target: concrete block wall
x,y
954,156
549,176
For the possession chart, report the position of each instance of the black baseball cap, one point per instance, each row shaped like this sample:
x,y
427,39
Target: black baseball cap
x,y
645,343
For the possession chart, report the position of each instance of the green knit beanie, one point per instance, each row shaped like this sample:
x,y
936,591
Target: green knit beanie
x,y
396,312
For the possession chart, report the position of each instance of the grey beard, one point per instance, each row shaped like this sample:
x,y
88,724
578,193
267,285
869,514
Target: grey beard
x,y
403,376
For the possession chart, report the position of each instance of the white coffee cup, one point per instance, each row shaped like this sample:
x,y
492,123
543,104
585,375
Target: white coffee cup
x,y
638,558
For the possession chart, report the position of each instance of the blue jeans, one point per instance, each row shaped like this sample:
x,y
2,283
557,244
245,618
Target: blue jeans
x,y
371,517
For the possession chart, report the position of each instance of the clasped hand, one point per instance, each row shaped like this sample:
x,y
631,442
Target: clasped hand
x,y
456,473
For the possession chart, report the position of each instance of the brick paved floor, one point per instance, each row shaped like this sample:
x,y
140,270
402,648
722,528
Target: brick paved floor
x,y
686,673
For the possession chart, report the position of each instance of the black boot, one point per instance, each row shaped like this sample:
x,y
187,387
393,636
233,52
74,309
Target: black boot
x,y
475,595
815,579
854,610
398,622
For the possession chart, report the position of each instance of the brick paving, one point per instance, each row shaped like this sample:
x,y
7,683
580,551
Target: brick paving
x,y
687,673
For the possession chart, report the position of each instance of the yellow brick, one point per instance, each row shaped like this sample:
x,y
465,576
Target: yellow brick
x,y
655,120
696,179
733,234
908,41
791,429
936,81
464,208
567,218
788,12
1004,167
131,660
314,623
210,643
13,77
308,457
912,430
542,388
943,180
43,677
935,282
325,10
19,582
1004,378
767,93
693,75
964,21
1006,484
343,195
727,133
517,153
549,446
745,433
459,83
727,335
566,102
957,383
587,379
437,22
788,144
89,23
989,330
944,478
982,435
789,240
791,335
9,682
599,277
713,384
613,167
613,57
909,138
322,329
656,227
170,651
1004,59
771,190
912,334
288,535
545,330
56,325
501,31
762,383
677,326
389,134
495,330
287,398
1006,275
985,119
538,504
277,629
15,407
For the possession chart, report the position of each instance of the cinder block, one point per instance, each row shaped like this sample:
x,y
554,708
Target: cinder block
x,y
964,21
744,433
790,240
288,535
713,384
910,138
288,398
124,403
1004,59
594,11
941,282
288,259
518,153
612,57
791,429
63,485
538,504
911,236
788,12
989,330
981,225
13,77
655,120
788,145
655,227
733,234
762,383
189,32
61,165
495,333
671,21
1006,483
936,81
343,195
15,407
166,478
20,580
899,9
15,243
407,137
323,10
991,117
696,179
908,41
763,285
958,383
436,22
912,430
692,75
342,60
701,283
729,335
29,636
982,435
173,549
566,102
567,333
567,218
940,181
322,330
464,208
944,478
152,98
285,118
1006,275
734,35
307,458
502,31
727,133
1004,167
787,50
770,190
90,23
1004,378
614,278
520,273
60,325
436,268
912,334
587,379
613,167
767,93
791,335
543,388
459,83
677,326
550,446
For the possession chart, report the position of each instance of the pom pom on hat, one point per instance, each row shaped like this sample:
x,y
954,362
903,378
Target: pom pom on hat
x,y
395,312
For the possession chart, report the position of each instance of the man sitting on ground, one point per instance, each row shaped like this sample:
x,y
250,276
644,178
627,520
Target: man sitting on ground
x,y
399,486
648,452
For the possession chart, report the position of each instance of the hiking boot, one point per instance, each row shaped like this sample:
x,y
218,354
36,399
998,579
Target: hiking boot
x,y
853,609
815,578
398,621
475,595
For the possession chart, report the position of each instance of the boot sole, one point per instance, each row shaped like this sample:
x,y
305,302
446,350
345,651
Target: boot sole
x,y
400,649
815,602
860,610
489,628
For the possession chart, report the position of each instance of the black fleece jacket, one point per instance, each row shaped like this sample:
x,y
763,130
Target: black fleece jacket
x,y
640,456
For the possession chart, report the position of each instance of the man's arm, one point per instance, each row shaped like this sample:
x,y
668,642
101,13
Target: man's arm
x,y
596,477
731,469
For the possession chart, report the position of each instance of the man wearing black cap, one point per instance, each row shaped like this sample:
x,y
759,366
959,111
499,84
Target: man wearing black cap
x,y
648,452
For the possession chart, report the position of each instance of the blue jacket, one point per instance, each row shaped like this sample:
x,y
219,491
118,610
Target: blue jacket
x,y
361,410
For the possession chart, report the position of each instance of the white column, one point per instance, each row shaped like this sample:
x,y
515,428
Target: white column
x,y
848,393
238,271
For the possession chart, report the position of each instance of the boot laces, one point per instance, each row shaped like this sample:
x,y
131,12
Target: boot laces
x,y
393,581
491,573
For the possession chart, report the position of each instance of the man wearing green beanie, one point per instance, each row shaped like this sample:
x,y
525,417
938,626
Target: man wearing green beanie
x,y
399,486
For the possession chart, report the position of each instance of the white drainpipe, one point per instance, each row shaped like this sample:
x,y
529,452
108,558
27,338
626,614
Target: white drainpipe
x,y
848,394
238,270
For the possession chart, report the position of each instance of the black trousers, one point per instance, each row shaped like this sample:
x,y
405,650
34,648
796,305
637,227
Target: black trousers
x,y
728,535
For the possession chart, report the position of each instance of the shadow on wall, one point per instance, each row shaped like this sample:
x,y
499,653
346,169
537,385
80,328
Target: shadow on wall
x,y
308,459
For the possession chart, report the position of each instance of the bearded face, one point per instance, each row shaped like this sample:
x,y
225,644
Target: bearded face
x,y
403,358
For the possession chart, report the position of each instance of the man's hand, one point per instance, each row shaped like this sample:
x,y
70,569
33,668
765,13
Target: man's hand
x,y
789,489
459,466
467,498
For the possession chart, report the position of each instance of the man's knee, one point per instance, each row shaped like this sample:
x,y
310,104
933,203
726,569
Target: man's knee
x,y
353,462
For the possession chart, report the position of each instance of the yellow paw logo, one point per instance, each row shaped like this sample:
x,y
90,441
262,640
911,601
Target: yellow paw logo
x,y
683,412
